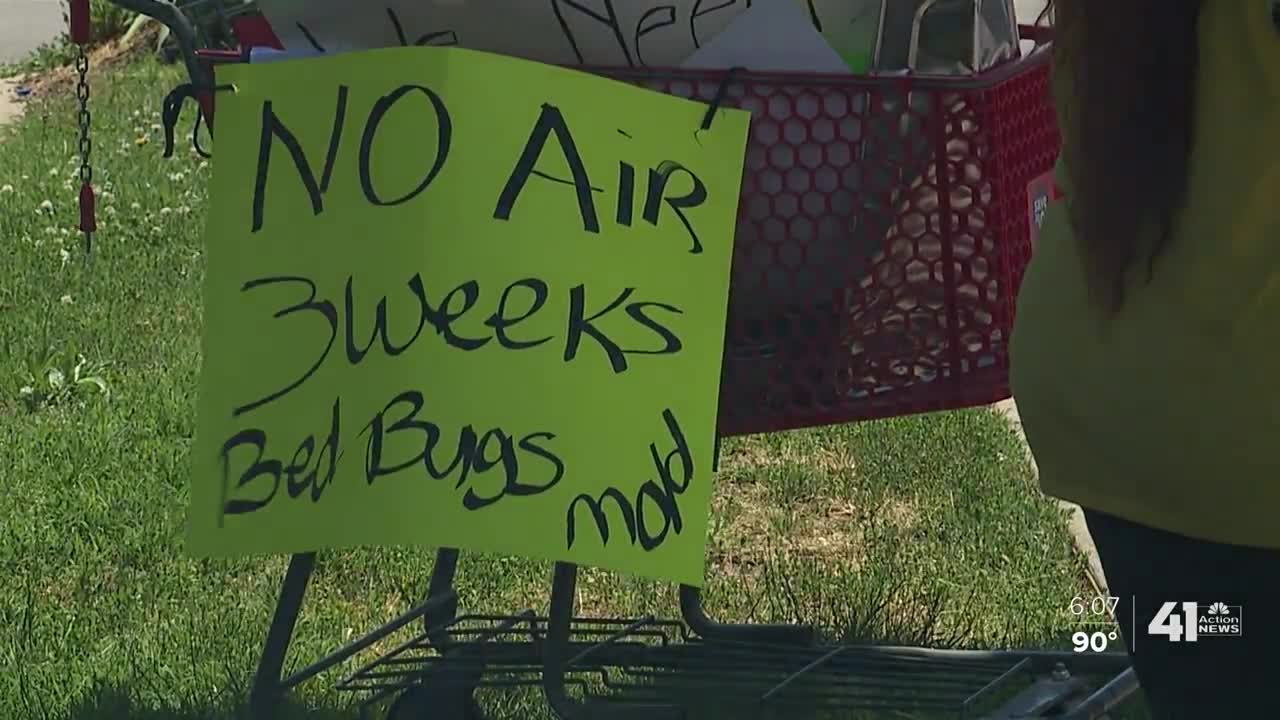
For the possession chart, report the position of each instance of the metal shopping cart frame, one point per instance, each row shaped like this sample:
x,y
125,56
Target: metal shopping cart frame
x,y
588,667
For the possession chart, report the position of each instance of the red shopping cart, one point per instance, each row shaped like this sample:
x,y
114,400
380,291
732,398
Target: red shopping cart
x,y
884,226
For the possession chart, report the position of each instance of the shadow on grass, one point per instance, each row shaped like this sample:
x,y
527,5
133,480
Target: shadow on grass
x,y
111,703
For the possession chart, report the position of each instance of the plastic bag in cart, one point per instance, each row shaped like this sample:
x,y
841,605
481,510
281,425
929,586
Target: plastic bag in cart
x,y
944,37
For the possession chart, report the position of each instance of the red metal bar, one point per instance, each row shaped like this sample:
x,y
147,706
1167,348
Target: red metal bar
x,y
81,32
253,31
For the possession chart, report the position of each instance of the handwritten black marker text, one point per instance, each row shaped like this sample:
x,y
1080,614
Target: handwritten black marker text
x,y
592,321
484,463
658,497
550,122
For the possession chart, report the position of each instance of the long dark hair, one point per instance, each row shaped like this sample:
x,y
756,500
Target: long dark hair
x,y
1125,71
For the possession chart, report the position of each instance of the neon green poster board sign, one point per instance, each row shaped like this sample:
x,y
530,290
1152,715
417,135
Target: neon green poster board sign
x,y
463,300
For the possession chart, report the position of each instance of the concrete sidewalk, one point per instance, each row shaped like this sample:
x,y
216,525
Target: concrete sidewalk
x,y
26,25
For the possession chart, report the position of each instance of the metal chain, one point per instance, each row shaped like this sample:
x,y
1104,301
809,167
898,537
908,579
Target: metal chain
x,y
86,143
82,94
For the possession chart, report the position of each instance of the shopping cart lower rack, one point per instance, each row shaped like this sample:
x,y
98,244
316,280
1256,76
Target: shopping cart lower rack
x,y
692,668
883,230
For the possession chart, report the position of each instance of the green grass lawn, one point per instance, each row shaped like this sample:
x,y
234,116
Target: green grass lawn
x,y
925,530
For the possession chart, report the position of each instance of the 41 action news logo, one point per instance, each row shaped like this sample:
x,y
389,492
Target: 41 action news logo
x,y
1189,622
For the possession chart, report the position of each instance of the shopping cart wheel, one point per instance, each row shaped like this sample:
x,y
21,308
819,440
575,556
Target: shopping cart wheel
x,y
443,694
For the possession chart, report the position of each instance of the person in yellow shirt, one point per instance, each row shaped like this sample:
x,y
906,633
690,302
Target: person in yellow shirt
x,y
1145,357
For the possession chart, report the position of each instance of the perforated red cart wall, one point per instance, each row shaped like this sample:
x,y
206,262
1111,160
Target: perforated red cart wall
x,y
883,230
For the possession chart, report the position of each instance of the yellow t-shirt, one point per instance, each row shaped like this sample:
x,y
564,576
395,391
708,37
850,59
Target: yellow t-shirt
x,y
1171,416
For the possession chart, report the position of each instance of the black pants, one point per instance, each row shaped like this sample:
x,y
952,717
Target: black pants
x,y
1218,675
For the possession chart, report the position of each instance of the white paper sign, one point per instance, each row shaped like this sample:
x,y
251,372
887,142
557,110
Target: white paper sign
x,y
620,33
569,32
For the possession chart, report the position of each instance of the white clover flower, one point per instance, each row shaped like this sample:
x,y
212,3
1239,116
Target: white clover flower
x,y
165,211
46,206
56,378
65,255
183,210
178,176
204,164
53,172
156,127
26,391
135,206
66,299
6,189
110,210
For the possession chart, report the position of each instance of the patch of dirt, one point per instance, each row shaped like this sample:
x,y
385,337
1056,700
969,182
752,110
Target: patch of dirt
x,y
823,529
822,458
106,56
901,514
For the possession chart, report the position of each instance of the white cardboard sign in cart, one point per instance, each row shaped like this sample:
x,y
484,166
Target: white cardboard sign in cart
x,y
563,32
951,36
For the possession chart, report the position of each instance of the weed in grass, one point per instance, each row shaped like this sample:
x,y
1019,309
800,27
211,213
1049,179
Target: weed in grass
x,y
55,378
